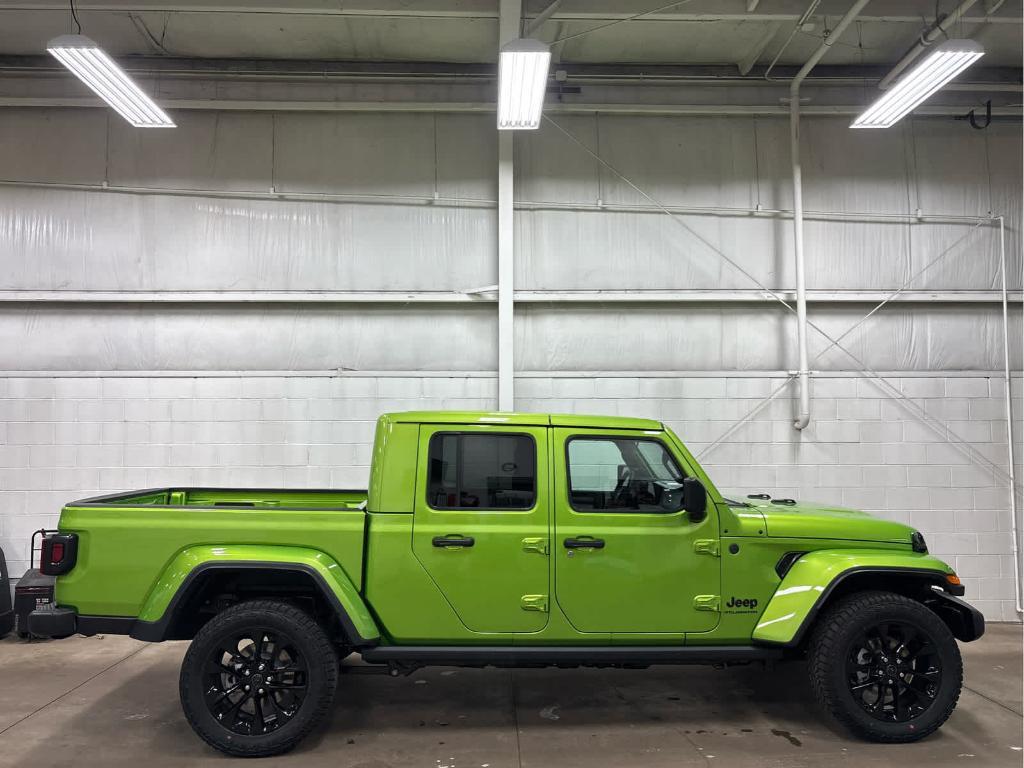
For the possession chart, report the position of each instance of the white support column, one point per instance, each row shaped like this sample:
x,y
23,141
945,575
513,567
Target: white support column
x,y
510,14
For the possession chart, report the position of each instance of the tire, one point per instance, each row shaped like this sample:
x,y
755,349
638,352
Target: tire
x,y
258,678
885,666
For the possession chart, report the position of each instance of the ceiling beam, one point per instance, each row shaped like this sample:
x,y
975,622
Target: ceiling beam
x,y
260,105
320,70
906,11
751,57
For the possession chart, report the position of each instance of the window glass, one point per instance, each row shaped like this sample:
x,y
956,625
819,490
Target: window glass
x,y
478,471
623,475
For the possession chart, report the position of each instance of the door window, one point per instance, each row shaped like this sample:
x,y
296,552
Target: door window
x,y
481,471
610,474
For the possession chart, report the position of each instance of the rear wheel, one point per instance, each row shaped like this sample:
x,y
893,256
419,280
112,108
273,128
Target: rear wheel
x,y
885,666
257,678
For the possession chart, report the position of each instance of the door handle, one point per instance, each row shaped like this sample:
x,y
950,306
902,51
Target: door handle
x,y
584,543
453,541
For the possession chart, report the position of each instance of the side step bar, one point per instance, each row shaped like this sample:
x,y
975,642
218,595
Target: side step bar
x,y
515,656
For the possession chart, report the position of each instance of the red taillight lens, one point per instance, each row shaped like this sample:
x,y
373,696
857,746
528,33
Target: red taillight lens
x,y
59,553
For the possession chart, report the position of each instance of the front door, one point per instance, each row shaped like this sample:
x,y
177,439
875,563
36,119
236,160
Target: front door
x,y
626,557
481,522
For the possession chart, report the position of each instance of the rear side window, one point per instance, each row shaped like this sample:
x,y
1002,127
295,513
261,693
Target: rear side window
x,y
622,475
481,471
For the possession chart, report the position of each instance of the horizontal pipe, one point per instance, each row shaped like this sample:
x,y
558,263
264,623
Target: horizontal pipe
x,y
634,296
939,29
161,73
347,374
540,205
268,105
710,10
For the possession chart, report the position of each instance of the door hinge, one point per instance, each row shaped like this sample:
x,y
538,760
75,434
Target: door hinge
x,y
706,547
706,603
536,544
534,603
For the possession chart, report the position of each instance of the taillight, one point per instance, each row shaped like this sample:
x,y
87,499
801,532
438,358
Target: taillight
x,y
58,553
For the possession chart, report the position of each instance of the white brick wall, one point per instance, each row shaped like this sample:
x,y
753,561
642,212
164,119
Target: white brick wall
x,y
66,438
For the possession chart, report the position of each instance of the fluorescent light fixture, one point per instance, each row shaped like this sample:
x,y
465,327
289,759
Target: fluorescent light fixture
x,y
929,75
522,82
90,64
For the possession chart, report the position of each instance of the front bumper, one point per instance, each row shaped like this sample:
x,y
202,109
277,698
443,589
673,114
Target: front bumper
x,y
965,621
53,622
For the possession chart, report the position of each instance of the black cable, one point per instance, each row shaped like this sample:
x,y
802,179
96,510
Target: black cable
x,y
74,15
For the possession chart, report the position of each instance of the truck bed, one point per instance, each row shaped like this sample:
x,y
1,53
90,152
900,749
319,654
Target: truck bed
x,y
156,525
231,497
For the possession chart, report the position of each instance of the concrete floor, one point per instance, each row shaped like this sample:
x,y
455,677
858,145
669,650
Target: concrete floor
x,y
112,701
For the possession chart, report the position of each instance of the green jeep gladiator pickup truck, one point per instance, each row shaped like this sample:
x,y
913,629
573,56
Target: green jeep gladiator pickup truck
x,y
508,539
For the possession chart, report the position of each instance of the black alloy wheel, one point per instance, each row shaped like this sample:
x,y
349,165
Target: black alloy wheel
x,y
894,671
256,681
258,678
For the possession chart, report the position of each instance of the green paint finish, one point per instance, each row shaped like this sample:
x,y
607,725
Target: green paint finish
x,y
471,417
661,577
333,575
605,422
409,607
231,498
811,575
484,583
123,548
748,573
393,467
810,521
502,418
646,576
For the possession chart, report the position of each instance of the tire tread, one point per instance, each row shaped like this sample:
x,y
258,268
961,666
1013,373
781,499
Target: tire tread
x,y
324,661
824,649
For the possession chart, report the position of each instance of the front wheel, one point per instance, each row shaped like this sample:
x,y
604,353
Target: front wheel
x,y
257,678
885,666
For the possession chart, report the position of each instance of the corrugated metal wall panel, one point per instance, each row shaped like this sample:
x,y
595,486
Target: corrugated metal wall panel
x,y
208,337
58,239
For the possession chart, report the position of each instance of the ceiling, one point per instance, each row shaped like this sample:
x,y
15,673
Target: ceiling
x,y
742,34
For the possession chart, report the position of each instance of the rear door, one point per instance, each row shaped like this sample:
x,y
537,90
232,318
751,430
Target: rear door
x,y
481,522
626,560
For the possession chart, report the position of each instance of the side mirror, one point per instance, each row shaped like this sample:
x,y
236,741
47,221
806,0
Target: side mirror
x,y
695,499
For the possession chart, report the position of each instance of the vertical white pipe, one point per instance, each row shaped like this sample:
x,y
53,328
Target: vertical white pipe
x,y
506,269
804,416
510,15
1009,420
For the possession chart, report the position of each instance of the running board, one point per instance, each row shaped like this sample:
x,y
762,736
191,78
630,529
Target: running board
x,y
612,655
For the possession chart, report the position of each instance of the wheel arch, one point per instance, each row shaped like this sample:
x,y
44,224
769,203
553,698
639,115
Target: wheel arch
x,y
196,584
819,579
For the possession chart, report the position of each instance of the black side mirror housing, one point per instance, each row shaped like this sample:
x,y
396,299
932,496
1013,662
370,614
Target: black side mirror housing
x,y
695,499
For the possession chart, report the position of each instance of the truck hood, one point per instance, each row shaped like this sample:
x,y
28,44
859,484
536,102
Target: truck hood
x,y
814,521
